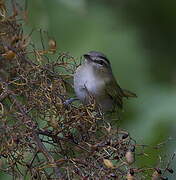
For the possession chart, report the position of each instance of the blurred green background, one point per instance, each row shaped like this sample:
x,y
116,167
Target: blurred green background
x,y
139,38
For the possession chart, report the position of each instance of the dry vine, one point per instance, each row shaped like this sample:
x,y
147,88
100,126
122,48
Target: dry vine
x,y
41,137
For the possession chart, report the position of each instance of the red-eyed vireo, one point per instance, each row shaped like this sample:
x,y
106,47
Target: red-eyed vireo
x,y
94,78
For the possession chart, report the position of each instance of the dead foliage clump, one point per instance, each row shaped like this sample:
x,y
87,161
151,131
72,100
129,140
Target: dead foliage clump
x,y
41,136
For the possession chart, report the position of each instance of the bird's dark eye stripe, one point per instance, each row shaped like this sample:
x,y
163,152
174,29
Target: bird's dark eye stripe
x,y
100,62
103,60
102,57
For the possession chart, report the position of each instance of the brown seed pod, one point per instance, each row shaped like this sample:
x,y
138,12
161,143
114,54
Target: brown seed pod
x,y
52,45
108,163
130,157
9,55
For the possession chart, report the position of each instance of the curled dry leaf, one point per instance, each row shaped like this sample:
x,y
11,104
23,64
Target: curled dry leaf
x,y
130,157
108,163
9,55
52,45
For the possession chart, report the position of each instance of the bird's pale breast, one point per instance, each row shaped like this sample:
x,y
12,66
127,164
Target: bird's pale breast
x,y
86,82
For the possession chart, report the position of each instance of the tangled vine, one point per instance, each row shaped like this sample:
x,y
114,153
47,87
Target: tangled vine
x,y
41,136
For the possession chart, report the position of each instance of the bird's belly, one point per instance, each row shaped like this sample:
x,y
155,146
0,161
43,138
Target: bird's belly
x,y
95,86
87,86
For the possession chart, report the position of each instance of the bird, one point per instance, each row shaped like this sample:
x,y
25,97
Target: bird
x,y
94,78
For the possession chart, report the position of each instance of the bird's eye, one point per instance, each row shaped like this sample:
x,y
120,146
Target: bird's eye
x,y
99,62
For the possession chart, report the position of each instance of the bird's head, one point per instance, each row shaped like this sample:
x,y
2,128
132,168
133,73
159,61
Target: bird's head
x,y
98,61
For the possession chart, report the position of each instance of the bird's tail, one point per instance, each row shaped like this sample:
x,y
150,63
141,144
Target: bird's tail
x,y
128,93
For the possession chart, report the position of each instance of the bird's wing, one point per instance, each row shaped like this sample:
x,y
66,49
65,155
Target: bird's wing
x,y
115,92
128,93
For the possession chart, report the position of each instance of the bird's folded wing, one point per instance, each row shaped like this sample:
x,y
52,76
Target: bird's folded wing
x,y
115,92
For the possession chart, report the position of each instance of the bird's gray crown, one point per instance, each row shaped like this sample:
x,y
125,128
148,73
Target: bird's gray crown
x,y
93,54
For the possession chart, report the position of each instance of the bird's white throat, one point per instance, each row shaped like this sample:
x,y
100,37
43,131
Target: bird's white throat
x,y
93,81
87,82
